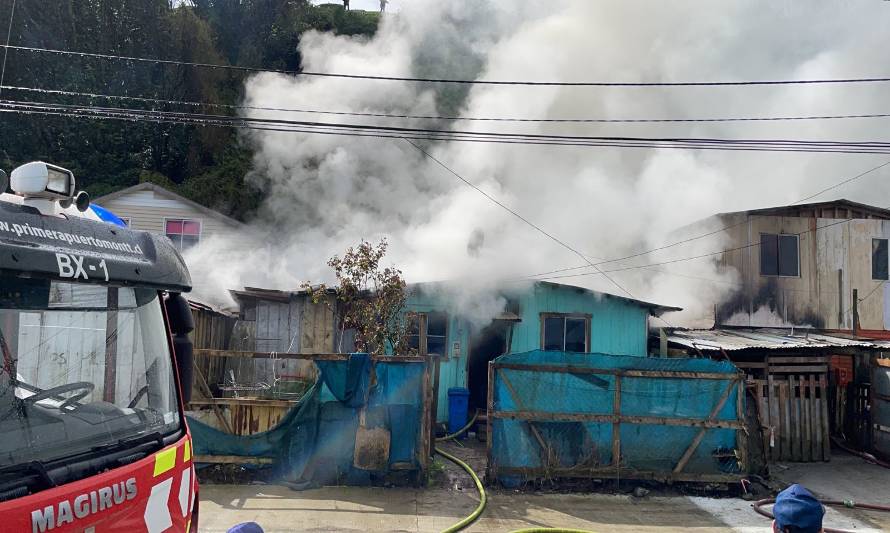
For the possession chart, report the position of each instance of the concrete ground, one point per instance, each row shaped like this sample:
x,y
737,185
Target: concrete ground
x,y
280,509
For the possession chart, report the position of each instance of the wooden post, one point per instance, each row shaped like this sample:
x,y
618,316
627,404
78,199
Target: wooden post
x,y
826,441
840,299
855,311
489,435
741,436
794,409
434,411
426,443
616,426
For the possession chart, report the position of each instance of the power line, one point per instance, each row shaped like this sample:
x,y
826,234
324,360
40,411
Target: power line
x,y
536,227
681,259
6,50
454,80
771,145
720,230
446,117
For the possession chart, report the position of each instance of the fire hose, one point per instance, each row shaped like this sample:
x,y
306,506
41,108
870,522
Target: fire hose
x,y
483,499
867,456
850,504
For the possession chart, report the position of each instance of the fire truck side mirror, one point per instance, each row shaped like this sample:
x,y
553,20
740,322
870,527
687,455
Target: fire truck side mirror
x,y
179,314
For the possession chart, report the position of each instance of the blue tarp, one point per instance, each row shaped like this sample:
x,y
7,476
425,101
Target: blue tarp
x,y
314,443
584,444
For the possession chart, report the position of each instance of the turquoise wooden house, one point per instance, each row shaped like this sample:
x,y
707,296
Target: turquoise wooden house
x,y
530,316
539,315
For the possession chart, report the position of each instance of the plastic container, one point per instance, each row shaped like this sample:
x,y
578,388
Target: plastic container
x,y
458,405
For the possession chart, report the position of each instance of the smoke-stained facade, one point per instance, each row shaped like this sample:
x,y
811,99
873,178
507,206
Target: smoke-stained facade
x,y
799,265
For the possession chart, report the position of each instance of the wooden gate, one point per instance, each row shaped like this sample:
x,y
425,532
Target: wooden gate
x,y
792,395
880,408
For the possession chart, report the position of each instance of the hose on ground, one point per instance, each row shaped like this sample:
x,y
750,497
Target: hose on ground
x,y
461,431
850,504
867,456
483,499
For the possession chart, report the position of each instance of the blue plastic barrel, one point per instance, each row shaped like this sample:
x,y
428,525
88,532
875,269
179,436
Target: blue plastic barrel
x,y
458,404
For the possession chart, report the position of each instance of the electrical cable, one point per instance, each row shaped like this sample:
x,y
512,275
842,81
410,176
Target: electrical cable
x,y
720,230
442,117
454,80
6,50
849,504
866,147
519,216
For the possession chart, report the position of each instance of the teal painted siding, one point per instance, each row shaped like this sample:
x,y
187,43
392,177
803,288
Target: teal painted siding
x,y
617,327
453,366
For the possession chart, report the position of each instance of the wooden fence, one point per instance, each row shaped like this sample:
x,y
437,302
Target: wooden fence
x,y
792,395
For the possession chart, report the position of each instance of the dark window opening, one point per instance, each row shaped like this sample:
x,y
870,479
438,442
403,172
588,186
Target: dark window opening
x,y
879,259
565,333
428,333
779,255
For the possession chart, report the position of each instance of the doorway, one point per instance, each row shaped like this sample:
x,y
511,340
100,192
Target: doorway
x,y
484,346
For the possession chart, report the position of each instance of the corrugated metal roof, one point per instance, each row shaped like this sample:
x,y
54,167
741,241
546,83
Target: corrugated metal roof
x,y
768,339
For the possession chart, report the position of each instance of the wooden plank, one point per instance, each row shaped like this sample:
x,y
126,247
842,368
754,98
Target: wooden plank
x,y
520,404
826,441
802,369
234,459
426,437
817,420
244,401
799,360
306,356
763,415
744,364
784,449
815,434
570,369
616,426
492,469
687,455
775,424
794,419
625,473
741,436
542,416
806,439
435,407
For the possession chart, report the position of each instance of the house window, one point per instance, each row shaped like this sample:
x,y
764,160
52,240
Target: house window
x,y
566,333
879,259
428,333
779,255
184,232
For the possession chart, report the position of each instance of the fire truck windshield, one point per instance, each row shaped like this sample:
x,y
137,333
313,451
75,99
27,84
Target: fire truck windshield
x,y
85,369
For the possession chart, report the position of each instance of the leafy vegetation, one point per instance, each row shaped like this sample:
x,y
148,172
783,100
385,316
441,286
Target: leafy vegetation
x,y
206,164
370,299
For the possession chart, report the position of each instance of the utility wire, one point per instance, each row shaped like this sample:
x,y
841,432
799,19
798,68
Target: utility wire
x,y
445,117
6,50
457,81
536,227
683,259
722,229
772,145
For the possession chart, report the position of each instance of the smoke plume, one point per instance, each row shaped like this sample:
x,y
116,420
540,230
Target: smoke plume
x,y
325,192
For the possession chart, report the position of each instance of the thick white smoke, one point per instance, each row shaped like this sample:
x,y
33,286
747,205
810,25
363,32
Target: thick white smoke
x,y
325,192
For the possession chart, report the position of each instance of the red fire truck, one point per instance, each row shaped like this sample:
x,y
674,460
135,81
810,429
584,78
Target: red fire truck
x,y
93,334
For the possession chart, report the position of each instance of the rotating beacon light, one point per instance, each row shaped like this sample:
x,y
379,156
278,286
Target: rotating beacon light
x,y
47,187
